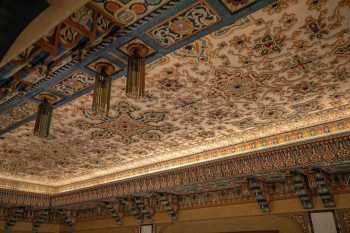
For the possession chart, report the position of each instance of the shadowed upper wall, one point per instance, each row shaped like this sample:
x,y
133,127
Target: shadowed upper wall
x,y
15,17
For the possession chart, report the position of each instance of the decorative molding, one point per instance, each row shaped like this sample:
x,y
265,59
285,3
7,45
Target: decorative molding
x,y
114,210
170,203
319,153
42,217
17,214
322,181
104,61
300,185
144,206
12,197
298,156
257,187
211,152
125,50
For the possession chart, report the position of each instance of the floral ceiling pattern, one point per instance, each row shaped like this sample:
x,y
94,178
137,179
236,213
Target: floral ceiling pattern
x,y
283,68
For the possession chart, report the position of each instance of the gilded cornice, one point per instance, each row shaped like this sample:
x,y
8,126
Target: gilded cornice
x,y
319,153
322,153
18,198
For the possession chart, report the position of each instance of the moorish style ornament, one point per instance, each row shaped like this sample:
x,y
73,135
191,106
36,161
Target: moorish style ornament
x,y
103,87
135,83
15,216
301,188
256,187
43,118
40,219
68,219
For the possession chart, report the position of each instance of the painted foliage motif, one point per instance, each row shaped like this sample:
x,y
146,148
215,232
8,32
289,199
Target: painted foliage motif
x,y
283,68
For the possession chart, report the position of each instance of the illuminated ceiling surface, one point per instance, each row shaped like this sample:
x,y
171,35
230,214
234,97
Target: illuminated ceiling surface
x,y
278,76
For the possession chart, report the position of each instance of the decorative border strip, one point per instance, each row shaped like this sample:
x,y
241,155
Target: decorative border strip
x,y
11,197
320,153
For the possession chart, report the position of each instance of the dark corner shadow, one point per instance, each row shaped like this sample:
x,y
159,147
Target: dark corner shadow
x,y
14,17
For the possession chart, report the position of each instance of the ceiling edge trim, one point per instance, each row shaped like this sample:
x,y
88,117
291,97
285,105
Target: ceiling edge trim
x,y
317,153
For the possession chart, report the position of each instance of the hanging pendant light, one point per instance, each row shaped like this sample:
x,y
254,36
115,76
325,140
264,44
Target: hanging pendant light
x,y
43,119
135,83
102,94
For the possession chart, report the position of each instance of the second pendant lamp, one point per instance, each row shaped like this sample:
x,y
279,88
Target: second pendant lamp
x,y
43,118
103,88
135,83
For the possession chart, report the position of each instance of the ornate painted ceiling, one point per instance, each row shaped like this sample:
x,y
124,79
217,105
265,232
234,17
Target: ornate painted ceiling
x,y
278,76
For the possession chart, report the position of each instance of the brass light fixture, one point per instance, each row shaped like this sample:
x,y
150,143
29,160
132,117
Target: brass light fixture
x,y
43,118
103,87
135,83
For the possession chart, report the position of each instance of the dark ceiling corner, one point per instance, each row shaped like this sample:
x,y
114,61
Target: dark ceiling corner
x,y
14,17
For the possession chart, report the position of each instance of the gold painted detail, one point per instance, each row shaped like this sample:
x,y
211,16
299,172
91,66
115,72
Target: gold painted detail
x,y
323,152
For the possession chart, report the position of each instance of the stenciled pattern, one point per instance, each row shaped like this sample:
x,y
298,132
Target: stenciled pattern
x,y
126,12
76,82
191,21
281,69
